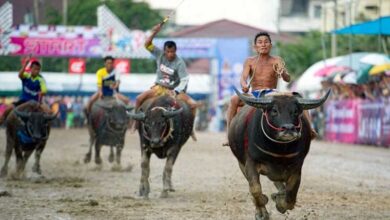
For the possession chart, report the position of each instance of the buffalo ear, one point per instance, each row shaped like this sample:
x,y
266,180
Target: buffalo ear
x,y
262,102
50,117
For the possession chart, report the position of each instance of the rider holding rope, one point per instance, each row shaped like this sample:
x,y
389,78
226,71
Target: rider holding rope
x,y
108,80
263,70
171,72
172,77
33,87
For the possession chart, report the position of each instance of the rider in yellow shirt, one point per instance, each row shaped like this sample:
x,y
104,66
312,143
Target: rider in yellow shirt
x,y
108,80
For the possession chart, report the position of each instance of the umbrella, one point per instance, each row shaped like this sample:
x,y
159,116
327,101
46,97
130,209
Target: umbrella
x,y
350,78
329,70
309,82
375,59
352,60
379,69
362,75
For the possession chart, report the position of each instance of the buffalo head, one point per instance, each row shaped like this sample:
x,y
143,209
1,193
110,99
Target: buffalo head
x,y
156,124
282,113
117,118
36,123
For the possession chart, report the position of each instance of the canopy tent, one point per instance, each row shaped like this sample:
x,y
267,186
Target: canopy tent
x,y
380,26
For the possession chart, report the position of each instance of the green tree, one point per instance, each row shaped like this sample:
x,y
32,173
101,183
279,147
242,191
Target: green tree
x,y
308,49
136,15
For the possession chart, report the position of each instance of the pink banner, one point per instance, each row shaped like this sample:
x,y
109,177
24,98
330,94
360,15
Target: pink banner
x,y
385,137
80,47
342,121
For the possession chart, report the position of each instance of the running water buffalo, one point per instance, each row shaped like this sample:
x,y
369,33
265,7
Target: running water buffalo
x,y
107,125
165,124
27,129
270,136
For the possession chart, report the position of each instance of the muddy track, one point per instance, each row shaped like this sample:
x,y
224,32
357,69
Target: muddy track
x,y
338,182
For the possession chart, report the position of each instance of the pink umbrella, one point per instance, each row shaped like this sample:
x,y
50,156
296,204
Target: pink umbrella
x,y
329,70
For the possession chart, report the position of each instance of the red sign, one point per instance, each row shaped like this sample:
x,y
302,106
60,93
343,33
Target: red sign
x,y
76,65
122,65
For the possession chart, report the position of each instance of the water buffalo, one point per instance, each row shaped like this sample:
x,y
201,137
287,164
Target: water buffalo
x,y
270,136
27,129
107,125
165,124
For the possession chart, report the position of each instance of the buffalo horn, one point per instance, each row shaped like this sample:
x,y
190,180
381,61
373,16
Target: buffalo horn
x,y
262,102
50,117
140,116
313,103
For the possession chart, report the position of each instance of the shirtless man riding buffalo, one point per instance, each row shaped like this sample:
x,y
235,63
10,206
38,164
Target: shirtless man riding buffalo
x,y
263,71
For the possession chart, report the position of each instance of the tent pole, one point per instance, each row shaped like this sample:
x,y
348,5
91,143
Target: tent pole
x,y
384,45
323,44
334,38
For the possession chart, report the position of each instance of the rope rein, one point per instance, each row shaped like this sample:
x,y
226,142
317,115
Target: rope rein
x,y
278,129
164,138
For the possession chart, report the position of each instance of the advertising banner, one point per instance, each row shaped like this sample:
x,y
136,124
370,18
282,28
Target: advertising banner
x,y
232,54
385,137
341,119
122,65
370,122
49,47
77,65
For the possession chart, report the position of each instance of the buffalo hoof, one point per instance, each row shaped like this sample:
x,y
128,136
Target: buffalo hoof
x,y
111,158
281,205
36,169
3,173
87,158
144,191
36,178
262,216
17,175
116,168
98,160
164,194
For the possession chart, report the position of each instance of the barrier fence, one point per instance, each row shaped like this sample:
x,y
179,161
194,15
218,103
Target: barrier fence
x,y
357,121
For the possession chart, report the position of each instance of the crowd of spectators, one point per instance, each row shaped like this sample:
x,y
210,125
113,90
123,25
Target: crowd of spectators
x,y
376,88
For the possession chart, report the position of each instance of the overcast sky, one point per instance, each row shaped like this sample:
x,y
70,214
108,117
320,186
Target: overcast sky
x,y
257,13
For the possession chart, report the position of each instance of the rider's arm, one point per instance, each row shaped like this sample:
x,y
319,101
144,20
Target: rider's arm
x,y
149,41
99,78
245,75
184,77
284,74
22,70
